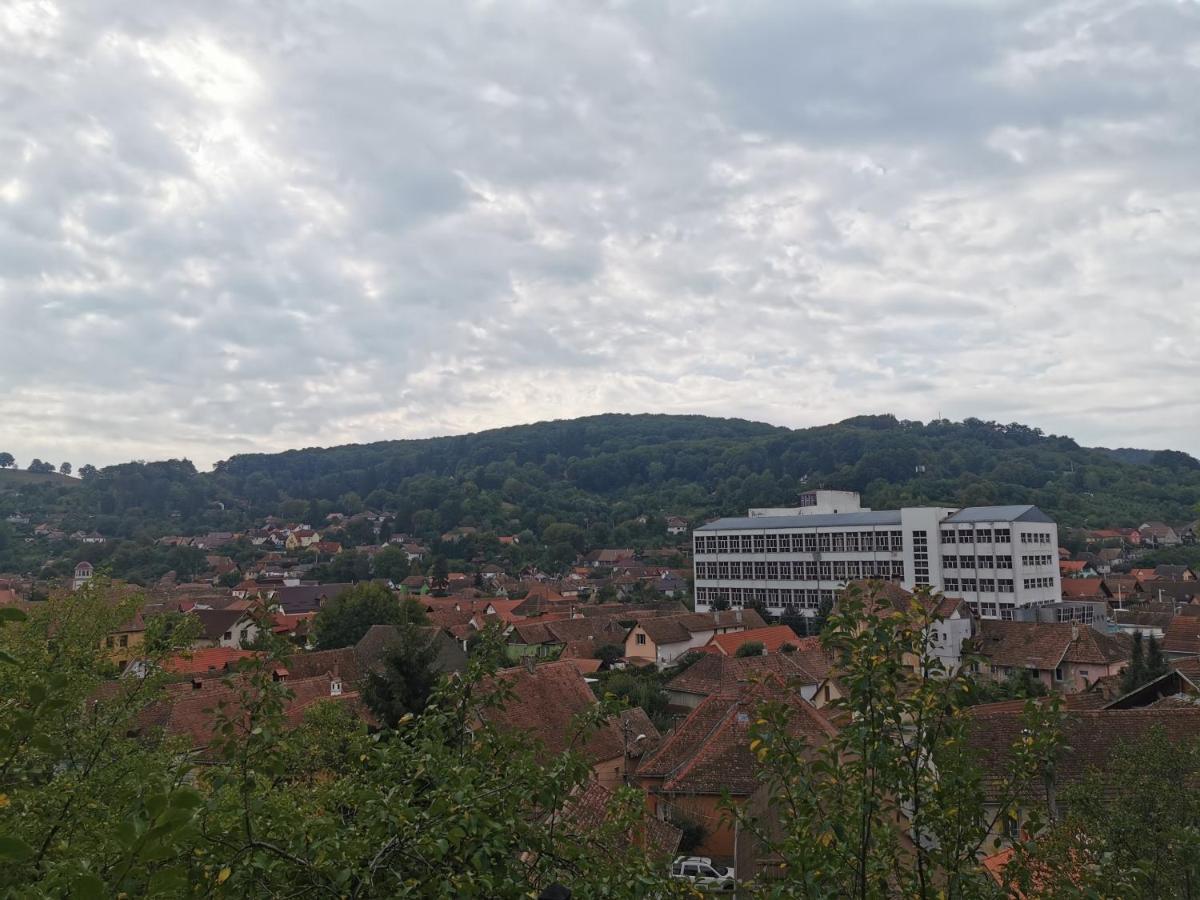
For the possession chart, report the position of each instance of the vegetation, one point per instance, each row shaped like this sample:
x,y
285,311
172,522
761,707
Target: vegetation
x,y
343,620
562,487
750,648
407,679
1147,663
94,806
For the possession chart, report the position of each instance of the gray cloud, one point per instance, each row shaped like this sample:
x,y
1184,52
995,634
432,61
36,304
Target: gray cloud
x,y
237,226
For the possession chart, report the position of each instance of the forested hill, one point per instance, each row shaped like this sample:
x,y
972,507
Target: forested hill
x,y
600,471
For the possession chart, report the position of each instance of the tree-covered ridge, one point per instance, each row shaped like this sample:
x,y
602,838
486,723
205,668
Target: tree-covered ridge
x,y
598,472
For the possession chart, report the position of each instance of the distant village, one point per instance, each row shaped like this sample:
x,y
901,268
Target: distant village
x,y
707,616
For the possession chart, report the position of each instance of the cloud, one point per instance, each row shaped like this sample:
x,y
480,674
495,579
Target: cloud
x,y
233,226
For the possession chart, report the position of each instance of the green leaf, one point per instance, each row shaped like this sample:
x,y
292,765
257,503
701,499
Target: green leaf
x,y
88,887
6,657
11,614
14,848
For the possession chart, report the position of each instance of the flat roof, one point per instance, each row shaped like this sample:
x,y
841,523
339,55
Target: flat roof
x,y
1024,513
745,523
883,517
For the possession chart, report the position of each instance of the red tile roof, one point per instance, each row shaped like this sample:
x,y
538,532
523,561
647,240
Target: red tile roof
x,y
1084,589
709,753
772,638
544,703
715,673
208,660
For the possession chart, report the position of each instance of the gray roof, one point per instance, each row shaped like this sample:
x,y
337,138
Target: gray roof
x,y
771,523
986,514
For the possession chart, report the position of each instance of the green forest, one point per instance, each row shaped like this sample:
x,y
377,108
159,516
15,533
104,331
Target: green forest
x,y
586,482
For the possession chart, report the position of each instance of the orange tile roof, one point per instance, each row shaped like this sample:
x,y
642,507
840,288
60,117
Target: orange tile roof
x,y
772,638
208,660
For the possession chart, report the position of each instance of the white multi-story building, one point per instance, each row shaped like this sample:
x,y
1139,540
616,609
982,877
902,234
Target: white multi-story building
x,y
996,558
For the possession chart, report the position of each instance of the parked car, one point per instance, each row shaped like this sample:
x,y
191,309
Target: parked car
x,y
702,872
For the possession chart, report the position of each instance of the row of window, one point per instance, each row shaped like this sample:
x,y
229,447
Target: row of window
x,y
920,557
1035,537
1039,560
993,610
772,598
987,585
806,542
1031,583
977,536
831,570
977,562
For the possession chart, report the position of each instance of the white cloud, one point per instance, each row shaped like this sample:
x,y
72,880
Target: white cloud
x,y
229,227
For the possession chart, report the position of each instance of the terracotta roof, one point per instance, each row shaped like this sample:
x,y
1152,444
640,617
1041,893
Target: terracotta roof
x,y
772,638
1143,618
543,704
676,629
211,659
307,597
1044,645
714,672
1089,737
709,753
586,813
1182,635
1084,588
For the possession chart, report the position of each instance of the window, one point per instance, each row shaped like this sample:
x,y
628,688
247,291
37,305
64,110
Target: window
x,y
852,541
839,542
897,568
966,562
124,640
853,569
1058,674
760,571
952,584
785,543
824,542
722,543
970,584
983,535
966,536
839,571
229,635
949,537
109,642
722,570
987,584
759,543
949,562
1005,585
897,540
746,544
772,543
825,570
772,571
810,542
1003,562
785,571
1002,536
641,639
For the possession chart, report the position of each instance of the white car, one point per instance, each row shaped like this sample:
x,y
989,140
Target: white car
x,y
701,871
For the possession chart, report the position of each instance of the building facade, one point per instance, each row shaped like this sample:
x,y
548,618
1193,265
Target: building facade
x,y
996,558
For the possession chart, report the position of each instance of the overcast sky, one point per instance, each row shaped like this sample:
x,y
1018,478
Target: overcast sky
x,y
247,226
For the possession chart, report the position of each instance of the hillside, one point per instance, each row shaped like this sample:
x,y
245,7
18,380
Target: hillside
x,y
11,479
599,472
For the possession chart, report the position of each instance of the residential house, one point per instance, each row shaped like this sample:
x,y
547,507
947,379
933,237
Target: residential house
x,y
124,643
808,671
584,816
663,641
1159,534
1064,656
677,525
708,757
307,597
88,537
354,664
1182,636
1076,568
301,539
1174,573
1084,589
546,703
213,540
1090,738
232,628
772,638
610,557
1150,624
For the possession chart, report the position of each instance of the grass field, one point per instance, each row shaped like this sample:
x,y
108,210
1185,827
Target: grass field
x,y
10,478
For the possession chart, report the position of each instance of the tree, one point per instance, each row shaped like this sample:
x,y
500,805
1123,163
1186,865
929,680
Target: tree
x,y
319,809
891,803
1135,673
609,653
64,468
751,648
391,563
407,678
1156,662
36,465
343,620
7,460
88,471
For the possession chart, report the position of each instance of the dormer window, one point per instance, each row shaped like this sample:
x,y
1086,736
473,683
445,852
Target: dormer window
x,y
335,687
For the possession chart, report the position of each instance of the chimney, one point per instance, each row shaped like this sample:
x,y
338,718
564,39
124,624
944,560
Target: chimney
x,y
1074,633
737,616
197,684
